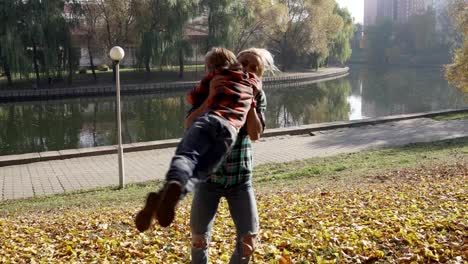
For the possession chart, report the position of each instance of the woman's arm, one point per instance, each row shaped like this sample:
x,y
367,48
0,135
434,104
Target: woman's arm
x,y
255,123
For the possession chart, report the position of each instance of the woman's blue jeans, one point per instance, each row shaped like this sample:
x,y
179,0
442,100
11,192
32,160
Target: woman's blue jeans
x,y
243,209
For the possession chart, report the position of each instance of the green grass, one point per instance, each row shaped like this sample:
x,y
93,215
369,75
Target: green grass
x,y
355,165
327,172
457,116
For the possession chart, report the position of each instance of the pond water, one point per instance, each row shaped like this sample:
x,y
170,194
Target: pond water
x,y
87,122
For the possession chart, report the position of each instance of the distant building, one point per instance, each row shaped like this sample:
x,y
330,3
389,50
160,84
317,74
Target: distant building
x,y
370,12
407,8
397,11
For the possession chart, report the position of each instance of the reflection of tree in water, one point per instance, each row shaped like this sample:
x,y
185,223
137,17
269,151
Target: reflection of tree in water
x,y
43,126
39,127
397,91
315,103
158,118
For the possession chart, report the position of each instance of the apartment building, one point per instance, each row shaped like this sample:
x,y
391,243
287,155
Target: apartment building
x,y
397,11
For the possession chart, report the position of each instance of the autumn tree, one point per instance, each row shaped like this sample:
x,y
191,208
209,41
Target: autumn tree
x,y
306,29
457,72
340,46
256,21
92,15
118,24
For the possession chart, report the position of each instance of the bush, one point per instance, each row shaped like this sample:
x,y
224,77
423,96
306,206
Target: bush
x,y
82,70
102,67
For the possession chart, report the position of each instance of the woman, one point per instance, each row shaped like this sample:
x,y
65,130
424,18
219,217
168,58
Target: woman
x,y
233,180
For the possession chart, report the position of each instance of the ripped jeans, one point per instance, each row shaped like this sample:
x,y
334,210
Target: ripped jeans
x,y
243,209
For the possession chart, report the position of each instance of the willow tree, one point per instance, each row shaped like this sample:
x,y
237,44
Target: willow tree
x,y
307,27
340,47
12,51
162,27
254,22
223,16
180,13
48,36
457,72
152,23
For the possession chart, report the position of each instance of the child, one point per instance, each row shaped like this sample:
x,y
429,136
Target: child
x,y
208,139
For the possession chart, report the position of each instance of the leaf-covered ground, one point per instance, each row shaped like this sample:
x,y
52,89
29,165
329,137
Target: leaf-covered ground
x,y
415,215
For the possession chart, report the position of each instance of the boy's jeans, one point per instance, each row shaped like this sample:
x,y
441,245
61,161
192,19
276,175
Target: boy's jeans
x,y
243,208
202,149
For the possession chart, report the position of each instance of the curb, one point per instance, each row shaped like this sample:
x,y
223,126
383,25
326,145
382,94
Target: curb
x,y
144,88
19,159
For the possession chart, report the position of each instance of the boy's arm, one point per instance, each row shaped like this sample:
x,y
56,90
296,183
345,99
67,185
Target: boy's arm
x,y
195,114
255,82
193,97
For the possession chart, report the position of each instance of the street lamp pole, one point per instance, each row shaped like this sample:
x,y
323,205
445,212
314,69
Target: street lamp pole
x,y
117,54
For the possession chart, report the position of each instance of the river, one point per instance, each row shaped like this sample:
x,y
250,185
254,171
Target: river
x,y
86,122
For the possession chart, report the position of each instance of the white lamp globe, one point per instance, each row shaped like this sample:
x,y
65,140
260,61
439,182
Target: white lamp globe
x,y
117,53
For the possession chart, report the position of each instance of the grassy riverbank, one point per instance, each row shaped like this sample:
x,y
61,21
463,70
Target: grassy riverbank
x,y
390,205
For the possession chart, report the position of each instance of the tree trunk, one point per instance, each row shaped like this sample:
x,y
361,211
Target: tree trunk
x,y
70,67
91,62
147,65
6,68
36,66
181,64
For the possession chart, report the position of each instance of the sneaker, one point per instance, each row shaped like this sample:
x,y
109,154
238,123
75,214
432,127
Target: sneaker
x,y
169,199
144,217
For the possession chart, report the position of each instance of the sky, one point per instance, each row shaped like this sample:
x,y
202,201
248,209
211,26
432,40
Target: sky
x,y
356,7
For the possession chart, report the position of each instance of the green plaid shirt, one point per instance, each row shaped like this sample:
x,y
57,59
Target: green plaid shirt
x,y
238,166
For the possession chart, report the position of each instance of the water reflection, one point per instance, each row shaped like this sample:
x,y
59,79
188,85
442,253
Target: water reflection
x,y
315,103
55,125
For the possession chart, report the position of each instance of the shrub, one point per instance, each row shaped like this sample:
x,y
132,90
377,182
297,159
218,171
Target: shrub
x,y
82,70
102,67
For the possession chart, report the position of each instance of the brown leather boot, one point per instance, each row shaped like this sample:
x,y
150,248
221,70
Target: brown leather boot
x,y
144,217
170,196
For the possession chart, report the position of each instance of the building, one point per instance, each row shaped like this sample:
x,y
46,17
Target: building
x,y
407,8
370,12
397,11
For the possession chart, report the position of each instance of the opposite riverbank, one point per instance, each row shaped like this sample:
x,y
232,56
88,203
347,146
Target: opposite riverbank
x,y
290,79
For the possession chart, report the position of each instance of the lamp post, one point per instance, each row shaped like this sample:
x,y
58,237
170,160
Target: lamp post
x,y
117,54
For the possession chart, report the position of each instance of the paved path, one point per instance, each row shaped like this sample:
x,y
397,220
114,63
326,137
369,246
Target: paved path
x,y
58,176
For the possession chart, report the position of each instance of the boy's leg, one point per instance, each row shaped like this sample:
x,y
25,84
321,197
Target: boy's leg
x,y
243,208
199,154
202,149
204,205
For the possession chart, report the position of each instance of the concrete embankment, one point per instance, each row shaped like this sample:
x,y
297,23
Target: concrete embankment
x,y
290,79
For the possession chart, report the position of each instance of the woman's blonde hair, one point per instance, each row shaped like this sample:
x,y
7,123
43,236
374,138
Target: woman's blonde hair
x,y
268,63
220,58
